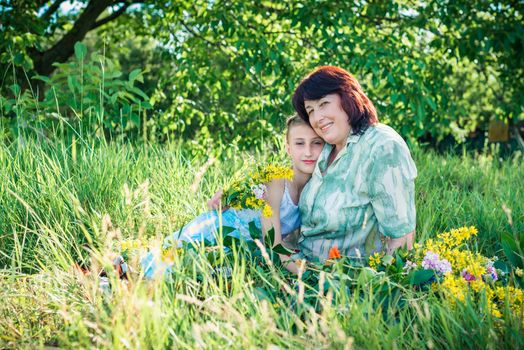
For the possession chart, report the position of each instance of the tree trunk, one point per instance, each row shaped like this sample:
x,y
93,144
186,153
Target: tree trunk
x,y
64,48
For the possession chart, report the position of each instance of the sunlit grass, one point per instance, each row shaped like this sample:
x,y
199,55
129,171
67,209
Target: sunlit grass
x,y
58,210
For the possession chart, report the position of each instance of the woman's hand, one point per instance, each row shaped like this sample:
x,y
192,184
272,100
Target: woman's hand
x,y
395,243
214,202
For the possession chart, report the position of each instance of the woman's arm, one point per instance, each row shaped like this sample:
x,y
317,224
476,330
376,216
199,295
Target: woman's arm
x,y
392,193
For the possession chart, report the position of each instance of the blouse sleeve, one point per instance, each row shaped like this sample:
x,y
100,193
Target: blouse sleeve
x,y
392,188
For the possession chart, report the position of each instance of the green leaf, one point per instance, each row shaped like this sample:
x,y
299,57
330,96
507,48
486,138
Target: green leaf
x,y
511,249
421,276
502,266
270,237
234,195
114,97
254,231
136,73
261,294
280,249
18,59
135,118
431,103
229,241
71,83
226,230
387,260
139,92
43,78
80,50
399,262
15,88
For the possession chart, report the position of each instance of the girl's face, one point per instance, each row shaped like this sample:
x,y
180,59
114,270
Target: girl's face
x,y
304,147
328,119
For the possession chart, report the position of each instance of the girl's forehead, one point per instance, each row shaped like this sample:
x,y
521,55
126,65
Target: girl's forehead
x,y
302,130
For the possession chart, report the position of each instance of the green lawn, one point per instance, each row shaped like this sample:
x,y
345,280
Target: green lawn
x,y
60,206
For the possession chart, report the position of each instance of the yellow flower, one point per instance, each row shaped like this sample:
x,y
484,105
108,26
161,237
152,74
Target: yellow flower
x,y
168,255
125,245
518,271
495,312
374,260
453,287
251,203
267,211
272,172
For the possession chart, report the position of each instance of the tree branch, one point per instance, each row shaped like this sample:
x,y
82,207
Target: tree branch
x,y
111,17
64,48
201,37
52,9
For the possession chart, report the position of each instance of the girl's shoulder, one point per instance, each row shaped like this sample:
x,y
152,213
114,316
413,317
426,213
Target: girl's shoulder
x,y
276,186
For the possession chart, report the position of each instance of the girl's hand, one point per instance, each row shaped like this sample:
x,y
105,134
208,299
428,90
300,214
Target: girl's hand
x,y
214,202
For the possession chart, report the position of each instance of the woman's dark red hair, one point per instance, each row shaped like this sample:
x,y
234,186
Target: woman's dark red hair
x,y
328,80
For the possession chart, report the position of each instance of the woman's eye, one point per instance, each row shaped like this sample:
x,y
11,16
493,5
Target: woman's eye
x,y
299,143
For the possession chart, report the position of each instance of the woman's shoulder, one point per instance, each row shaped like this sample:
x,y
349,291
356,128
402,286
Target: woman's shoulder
x,y
383,136
383,142
382,133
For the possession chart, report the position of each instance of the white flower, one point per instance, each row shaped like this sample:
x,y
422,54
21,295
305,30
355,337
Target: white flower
x,y
260,191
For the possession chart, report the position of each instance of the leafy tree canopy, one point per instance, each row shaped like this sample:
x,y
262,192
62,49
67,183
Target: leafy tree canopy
x,y
226,69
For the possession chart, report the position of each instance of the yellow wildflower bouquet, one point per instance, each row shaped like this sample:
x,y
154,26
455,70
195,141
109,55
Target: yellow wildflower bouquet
x,y
251,192
447,266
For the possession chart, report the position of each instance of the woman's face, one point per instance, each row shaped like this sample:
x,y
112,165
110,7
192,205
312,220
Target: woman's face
x,y
328,119
304,147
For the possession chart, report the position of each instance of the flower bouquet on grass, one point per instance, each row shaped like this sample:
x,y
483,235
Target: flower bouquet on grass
x,y
445,265
251,192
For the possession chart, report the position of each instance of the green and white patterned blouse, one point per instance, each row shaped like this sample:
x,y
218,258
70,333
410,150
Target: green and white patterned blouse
x,y
367,192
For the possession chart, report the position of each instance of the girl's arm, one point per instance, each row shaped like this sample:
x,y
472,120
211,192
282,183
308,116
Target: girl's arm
x,y
275,192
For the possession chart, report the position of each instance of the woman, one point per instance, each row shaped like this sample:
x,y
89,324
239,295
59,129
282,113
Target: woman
x,y
361,195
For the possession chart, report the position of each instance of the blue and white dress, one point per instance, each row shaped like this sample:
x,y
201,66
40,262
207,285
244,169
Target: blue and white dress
x,y
206,227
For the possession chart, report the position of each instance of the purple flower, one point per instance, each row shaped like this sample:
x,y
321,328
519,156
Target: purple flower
x,y
432,261
491,271
467,276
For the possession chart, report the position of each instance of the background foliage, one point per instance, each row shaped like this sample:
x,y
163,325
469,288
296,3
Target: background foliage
x,y
88,88
225,70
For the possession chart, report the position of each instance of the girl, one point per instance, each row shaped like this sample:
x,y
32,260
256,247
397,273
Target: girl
x,y
303,145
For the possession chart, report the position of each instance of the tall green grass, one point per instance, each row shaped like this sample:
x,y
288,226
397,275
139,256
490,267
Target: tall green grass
x,y
63,204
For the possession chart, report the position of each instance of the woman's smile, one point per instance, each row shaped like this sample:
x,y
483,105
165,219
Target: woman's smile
x,y
326,127
329,119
